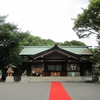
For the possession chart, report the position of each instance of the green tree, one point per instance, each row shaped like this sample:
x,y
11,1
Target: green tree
x,y
77,43
47,42
9,43
23,36
96,55
36,41
88,22
73,43
30,40
66,43
10,40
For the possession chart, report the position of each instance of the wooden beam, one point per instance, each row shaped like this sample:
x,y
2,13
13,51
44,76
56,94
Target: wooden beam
x,y
67,54
38,61
44,54
56,60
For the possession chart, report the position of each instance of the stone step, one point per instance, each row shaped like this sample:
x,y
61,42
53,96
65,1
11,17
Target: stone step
x,y
9,79
49,79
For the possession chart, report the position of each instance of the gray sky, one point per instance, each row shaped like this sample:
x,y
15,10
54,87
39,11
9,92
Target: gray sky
x,y
48,19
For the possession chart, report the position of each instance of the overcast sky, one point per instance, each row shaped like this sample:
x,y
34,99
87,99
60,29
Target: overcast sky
x,y
48,19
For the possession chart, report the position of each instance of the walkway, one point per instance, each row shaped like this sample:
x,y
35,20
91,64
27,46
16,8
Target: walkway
x,y
41,90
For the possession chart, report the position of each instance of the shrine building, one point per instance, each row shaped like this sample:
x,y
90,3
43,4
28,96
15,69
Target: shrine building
x,y
56,60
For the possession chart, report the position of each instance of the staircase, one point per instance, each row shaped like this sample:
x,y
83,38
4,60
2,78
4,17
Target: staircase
x,y
50,79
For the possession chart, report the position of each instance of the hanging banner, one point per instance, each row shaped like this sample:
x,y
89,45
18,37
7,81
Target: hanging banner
x,y
73,65
0,74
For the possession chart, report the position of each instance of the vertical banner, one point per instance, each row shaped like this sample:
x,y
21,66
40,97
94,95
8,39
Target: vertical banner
x,y
0,74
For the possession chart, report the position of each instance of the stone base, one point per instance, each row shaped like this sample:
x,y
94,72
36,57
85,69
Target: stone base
x,y
24,79
9,79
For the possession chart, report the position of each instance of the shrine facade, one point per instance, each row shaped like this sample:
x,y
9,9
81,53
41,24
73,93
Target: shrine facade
x,y
56,60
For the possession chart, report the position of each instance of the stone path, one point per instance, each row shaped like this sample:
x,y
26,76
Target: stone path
x,y
41,90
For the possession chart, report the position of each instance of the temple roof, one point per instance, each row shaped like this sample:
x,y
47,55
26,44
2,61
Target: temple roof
x,y
33,50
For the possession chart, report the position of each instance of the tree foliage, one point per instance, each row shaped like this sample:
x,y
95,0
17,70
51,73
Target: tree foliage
x,y
96,55
88,22
30,40
73,43
10,36
77,43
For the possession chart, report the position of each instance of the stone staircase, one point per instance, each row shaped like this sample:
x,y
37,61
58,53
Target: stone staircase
x,y
50,79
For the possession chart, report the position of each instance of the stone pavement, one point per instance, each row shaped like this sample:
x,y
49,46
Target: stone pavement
x,y
24,91
41,90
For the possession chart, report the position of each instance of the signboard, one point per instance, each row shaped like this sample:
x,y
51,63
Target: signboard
x,y
73,66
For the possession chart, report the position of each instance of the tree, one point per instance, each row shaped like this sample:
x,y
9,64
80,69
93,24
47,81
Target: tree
x,y
77,43
66,43
30,40
10,39
73,43
23,36
96,55
88,22
47,42
9,43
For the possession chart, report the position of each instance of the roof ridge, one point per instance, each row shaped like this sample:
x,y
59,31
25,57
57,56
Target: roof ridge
x,y
75,46
36,46
58,46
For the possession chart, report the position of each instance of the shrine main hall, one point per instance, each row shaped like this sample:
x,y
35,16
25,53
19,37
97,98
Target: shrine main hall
x,y
56,60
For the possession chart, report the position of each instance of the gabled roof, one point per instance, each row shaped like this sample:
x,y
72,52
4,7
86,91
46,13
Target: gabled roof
x,y
56,49
78,50
33,50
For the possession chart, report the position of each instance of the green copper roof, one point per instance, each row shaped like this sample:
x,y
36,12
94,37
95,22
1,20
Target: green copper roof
x,y
80,51
32,50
